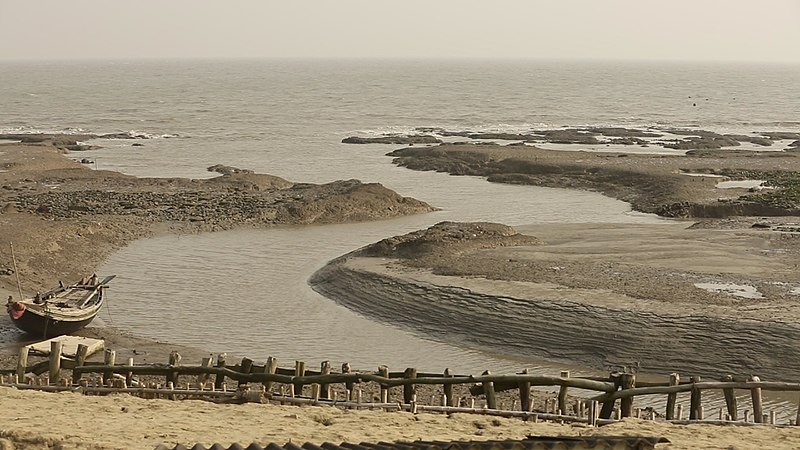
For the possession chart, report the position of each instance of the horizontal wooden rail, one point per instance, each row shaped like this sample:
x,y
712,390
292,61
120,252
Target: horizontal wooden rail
x,y
534,380
688,387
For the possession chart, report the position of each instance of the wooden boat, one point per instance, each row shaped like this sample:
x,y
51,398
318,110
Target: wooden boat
x,y
63,310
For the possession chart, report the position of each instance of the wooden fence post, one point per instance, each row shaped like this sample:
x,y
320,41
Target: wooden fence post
x,y
409,390
383,371
129,375
730,399
270,367
755,394
447,389
220,379
674,380
80,360
628,381
525,393
325,389
562,394
488,391
22,363
299,371
245,367
55,360
348,385
203,377
695,400
608,406
109,360
174,361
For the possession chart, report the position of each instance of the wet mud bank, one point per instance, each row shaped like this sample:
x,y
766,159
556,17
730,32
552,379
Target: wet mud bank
x,y
565,331
602,296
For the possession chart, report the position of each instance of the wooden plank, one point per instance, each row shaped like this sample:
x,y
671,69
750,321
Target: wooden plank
x,y
69,346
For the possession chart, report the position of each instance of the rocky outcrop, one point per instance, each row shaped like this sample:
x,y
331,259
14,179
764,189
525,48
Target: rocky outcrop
x,y
217,208
403,140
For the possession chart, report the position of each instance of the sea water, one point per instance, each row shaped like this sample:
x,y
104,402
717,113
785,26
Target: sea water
x,y
245,291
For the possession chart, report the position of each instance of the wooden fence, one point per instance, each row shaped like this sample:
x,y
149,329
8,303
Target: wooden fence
x,y
269,382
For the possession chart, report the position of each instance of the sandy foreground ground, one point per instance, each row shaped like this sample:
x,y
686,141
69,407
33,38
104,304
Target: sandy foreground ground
x,y
55,242
126,422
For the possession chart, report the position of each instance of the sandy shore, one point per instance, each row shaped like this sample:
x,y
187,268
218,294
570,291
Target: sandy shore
x,y
124,422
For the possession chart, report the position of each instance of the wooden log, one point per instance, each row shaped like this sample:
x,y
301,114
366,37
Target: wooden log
x,y
448,389
383,371
325,388
608,405
22,362
628,381
219,381
755,394
80,360
562,393
270,367
488,390
299,371
55,359
245,368
409,390
695,400
674,380
109,360
730,399
525,393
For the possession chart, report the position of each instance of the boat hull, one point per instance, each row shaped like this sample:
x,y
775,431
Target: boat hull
x,y
48,327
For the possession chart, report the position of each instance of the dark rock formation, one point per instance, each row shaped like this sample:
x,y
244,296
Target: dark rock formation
x,y
403,140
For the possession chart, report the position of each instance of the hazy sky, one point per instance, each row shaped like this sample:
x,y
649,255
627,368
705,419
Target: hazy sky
x,y
708,30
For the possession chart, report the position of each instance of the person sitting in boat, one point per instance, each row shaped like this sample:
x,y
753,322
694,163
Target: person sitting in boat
x,y
93,281
38,298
